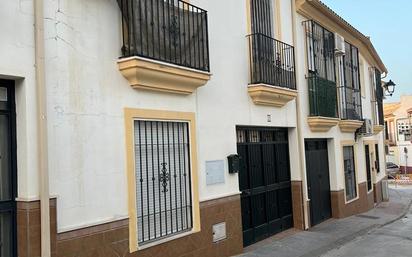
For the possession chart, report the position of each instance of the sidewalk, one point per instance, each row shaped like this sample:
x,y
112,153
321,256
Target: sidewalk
x,y
334,232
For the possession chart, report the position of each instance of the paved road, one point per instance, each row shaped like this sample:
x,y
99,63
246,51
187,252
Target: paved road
x,y
394,239
382,231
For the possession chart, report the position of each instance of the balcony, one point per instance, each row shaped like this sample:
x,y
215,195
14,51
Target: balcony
x,y
165,45
272,71
322,104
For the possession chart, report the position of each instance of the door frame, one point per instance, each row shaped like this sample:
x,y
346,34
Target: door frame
x,y
309,184
11,205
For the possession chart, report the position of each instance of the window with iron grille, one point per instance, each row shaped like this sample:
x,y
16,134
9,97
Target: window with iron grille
x,y
163,179
350,89
320,45
350,174
271,61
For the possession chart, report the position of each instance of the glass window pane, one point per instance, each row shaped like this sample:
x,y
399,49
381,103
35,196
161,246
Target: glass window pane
x,y
3,98
5,177
6,234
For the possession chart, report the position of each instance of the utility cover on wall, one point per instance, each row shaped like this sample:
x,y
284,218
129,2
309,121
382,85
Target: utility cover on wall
x,y
215,172
219,232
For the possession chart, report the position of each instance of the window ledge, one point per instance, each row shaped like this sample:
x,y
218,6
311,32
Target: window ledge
x,y
322,124
377,129
166,239
147,74
350,126
263,94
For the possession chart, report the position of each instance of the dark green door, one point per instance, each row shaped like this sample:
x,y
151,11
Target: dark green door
x,y
317,170
7,170
264,180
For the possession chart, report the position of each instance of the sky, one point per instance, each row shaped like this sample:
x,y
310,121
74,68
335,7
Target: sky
x,y
389,24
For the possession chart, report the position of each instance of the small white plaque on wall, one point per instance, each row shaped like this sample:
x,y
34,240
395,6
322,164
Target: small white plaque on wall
x,y
219,232
215,172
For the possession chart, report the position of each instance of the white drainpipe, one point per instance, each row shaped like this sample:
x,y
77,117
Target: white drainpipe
x,y
299,126
42,128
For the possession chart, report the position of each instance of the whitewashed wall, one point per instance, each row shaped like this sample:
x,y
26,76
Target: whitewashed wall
x,y
87,94
17,62
334,135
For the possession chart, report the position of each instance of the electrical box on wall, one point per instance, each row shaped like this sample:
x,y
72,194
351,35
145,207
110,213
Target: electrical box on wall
x,y
234,163
219,232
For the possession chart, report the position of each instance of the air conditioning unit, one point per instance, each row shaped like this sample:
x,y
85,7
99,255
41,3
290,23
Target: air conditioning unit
x,y
339,45
366,129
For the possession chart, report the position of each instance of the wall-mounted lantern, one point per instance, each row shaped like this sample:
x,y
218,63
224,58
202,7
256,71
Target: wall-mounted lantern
x,y
389,88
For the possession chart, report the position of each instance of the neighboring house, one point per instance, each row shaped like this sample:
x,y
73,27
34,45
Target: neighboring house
x,y
398,126
163,128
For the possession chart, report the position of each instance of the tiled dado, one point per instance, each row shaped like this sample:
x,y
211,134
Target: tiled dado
x,y
297,205
340,209
111,239
29,230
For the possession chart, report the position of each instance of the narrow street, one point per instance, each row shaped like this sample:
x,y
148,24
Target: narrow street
x,y
382,231
393,239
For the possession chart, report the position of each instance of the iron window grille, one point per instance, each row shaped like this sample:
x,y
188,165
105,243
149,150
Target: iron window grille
x,y
350,174
379,96
377,161
272,62
320,45
171,31
350,89
163,179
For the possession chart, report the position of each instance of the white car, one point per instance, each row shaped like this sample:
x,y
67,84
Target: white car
x,y
392,170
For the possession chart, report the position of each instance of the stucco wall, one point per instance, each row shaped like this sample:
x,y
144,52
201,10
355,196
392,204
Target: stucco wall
x,y
87,94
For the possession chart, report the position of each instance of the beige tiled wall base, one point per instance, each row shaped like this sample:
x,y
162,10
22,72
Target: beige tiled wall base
x,y
112,239
364,203
297,205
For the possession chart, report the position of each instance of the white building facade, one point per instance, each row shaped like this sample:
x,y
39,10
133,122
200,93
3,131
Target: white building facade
x,y
192,128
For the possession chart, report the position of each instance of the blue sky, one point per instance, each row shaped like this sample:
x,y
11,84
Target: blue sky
x,y
389,24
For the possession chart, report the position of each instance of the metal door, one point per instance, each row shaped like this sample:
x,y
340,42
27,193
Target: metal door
x,y
317,169
7,170
264,180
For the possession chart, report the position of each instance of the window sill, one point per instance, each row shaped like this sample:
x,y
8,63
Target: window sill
x,y
147,74
377,129
263,94
350,126
322,124
352,200
166,239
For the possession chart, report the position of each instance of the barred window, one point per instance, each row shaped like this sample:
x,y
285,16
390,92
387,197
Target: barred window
x,y
350,90
349,170
163,179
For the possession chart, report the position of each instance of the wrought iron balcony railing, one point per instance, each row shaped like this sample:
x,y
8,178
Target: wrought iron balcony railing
x,y
171,31
272,62
322,97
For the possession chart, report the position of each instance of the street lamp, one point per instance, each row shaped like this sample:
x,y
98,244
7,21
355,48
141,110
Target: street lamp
x,y
389,87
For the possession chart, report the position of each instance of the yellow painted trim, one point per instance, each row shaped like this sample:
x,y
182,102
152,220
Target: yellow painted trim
x,y
153,75
355,154
316,10
130,115
377,129
278,20
263,94
350,126
321,124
